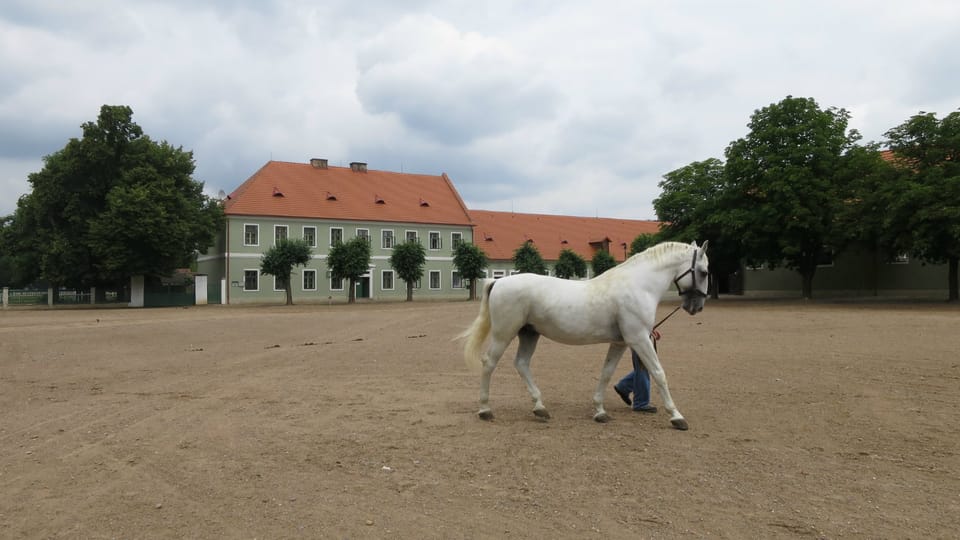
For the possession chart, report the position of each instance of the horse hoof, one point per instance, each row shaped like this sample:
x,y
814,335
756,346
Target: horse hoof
x,y
680,424
603,418
541,413
485,415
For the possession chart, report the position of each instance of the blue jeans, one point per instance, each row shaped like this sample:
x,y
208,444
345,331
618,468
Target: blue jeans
x,y
638,382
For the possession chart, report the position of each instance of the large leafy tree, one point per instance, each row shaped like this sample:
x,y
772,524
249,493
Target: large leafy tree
x,y
350,260
601,262
280,260
690,208
408,259
922,203
471,262
570,264
786,182
112,204
527,259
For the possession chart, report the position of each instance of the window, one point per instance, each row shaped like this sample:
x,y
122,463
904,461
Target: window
x,y
336,284
386,239
336,236
497,274
310,236
386,280
456,281
251,235
434,279
251,280
279,233
434,240
412,236
456,238
309,280
416,284
278,284
364,233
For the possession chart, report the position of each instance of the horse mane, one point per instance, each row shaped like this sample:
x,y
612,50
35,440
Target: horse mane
x,y
655,254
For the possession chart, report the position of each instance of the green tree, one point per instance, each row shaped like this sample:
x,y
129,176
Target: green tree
x,y
470,261
642,242
349,260
408,259
280,259
922,202
570,264
527,259
110,205
691,209
601,262
786,183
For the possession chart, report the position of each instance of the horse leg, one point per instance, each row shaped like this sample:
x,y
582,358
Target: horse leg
x,y
648,355
525,348
490,359
609,366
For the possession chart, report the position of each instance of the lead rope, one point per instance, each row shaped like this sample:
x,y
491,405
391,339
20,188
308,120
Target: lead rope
x,y
654,335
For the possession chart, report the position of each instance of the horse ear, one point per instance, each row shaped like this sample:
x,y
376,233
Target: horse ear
x,y
704,246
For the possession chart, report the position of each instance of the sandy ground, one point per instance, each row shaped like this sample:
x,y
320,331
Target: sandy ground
x,y
808,420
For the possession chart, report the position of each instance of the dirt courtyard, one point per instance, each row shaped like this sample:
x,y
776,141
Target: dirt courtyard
x,y
807,420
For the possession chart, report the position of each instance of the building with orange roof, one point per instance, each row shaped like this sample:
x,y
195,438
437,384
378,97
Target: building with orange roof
x,y
324,204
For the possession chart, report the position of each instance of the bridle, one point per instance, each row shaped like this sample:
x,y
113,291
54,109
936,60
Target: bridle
x,y
693,290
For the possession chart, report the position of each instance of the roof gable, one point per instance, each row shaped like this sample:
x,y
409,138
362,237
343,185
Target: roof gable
x,y
305,190
499,234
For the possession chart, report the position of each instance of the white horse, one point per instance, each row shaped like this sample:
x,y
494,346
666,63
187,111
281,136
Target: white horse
x,y
616,307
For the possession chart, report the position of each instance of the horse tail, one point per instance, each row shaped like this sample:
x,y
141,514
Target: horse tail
x,y
477,333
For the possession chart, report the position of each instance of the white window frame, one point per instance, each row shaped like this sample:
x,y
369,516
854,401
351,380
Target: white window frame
x,y
393,280
439,280
257,228
384,235
330,237
276,285
341,287
497,274
303,279
435,235
456,238
406,236
276,231
257,272
456,281
305,228
363,232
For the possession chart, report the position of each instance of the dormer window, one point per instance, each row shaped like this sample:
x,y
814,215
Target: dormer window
x,y
378,200
331,196
277,192
424,203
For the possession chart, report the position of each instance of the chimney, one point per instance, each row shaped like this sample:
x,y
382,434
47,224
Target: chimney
x,y
318,163
358,166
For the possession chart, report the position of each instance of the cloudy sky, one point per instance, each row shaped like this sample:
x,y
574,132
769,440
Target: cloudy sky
x,y
546,106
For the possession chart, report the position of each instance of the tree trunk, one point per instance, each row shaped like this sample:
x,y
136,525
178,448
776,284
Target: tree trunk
x,y
409,291
289,294
952,279
807,278
473,289
714,286
352,293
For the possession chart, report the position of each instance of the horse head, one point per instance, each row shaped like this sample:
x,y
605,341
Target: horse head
x,y
693,278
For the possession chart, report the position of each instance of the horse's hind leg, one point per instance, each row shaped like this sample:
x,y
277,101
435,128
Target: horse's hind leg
x,y
490,359
527,344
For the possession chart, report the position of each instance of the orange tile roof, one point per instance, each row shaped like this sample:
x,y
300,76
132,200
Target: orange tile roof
x,y
300,190
499,234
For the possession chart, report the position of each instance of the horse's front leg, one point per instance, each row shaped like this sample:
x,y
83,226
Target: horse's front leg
x,y
609,366
648,355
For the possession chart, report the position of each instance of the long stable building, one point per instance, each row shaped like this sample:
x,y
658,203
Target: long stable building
x,y
324,204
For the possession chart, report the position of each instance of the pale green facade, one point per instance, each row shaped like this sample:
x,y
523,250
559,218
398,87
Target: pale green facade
x,y
233,264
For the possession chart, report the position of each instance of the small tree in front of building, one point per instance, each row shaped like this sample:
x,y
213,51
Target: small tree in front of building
x,y
279,261
527,259
408,259
642,242
570,264
601,262
470,261
350,260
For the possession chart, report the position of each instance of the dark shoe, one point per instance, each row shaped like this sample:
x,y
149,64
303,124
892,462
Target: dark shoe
x,y
625,396
646,409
